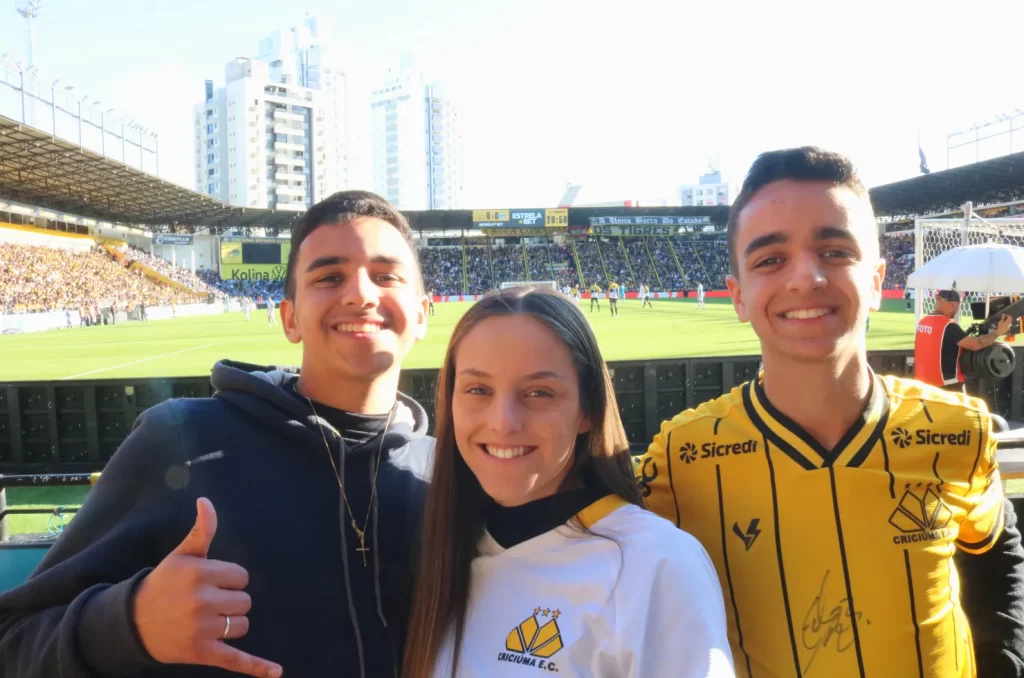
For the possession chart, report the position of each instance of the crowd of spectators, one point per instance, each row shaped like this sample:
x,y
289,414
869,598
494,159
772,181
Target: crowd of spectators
x,y
898,251
442,269
257,290
36,279
177,273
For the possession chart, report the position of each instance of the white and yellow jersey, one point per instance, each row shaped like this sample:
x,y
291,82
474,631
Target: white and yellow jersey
x,y
637,598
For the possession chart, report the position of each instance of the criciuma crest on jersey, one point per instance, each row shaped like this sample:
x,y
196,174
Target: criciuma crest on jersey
x,y
921,515
534,641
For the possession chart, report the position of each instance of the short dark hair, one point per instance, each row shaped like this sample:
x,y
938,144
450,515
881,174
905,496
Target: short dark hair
x,y
340,208
807,163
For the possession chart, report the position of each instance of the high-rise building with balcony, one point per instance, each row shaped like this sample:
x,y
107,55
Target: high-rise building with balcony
x,y
280,133
417,147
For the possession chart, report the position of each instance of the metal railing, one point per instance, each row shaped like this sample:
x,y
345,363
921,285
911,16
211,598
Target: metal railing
x,y
75,426
39,480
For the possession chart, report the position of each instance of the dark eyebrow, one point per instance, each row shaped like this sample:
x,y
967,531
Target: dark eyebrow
x,y
543,374
777,238
834,232
323,262
386,259
763,241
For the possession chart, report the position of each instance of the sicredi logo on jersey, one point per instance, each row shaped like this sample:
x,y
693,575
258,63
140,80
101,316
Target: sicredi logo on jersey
x,y
902,438
689,453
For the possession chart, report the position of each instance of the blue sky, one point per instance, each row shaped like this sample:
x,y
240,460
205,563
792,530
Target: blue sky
x,y
630,99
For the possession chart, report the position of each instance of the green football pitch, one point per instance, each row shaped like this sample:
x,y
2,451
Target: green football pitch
x,y
190,346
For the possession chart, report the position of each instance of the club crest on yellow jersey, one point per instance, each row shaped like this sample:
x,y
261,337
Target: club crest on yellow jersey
x,y
921,516
532,643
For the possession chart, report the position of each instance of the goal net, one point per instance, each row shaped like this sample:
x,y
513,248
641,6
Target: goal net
x,y
550,284
933,236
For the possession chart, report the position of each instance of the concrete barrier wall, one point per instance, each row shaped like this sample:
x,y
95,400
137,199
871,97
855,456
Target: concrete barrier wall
x,y
24,323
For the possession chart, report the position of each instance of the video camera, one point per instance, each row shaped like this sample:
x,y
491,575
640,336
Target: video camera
x,y
998,360
1012,306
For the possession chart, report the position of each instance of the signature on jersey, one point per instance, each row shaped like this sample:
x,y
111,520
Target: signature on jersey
x,y
822,623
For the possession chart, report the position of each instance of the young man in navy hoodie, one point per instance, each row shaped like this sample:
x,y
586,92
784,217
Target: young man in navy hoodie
x,y
268,529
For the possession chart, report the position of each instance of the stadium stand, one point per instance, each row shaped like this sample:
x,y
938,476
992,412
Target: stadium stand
x,y
69,274
898,251
42,278
176,273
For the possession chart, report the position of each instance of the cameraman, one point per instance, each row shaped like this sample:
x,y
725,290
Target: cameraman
x,y
940,339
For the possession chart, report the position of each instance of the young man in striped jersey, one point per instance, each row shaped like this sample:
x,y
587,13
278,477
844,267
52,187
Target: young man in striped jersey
x,y
856,521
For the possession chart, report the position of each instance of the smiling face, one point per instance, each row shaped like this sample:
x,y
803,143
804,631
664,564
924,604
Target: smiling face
x,y
807,269
357,309
516,408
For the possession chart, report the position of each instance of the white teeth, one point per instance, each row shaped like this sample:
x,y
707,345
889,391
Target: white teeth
x,y
807,313
351,327
506,452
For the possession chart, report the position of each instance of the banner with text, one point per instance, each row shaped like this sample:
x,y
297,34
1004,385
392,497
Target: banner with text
x,y
644,226
172,239
648,220
647,231
253,272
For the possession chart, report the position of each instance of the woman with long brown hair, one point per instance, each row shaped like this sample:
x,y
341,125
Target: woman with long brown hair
x,y
536,548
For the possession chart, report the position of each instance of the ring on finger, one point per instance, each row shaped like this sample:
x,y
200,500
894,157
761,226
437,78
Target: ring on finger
x,y
227,627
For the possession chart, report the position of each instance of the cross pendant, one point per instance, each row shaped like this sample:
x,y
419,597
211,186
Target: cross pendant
x,y
362,542
362,549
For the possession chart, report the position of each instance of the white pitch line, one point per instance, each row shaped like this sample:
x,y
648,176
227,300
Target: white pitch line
x,y
136,362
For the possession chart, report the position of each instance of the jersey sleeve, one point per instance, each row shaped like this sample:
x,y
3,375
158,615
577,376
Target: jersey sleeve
x,y
654,479
685,631
980,528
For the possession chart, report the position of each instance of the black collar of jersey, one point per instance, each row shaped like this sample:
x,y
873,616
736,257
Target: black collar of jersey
x,y
790,438
512,525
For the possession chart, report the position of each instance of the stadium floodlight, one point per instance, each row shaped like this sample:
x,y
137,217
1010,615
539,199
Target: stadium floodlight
x,y
29,10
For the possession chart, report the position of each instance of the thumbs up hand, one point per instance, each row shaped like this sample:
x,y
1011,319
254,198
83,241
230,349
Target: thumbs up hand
x,y
182,607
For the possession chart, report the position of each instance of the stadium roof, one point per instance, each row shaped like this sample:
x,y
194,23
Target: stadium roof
x,y
38,168
988,182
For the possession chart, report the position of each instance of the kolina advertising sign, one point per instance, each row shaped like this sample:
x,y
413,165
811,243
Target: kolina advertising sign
x,y
252,272
172,239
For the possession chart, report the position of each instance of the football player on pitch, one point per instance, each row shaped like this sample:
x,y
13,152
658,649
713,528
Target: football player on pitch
x,y
856,521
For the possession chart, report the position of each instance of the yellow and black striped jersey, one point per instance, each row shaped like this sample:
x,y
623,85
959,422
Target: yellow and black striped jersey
x,y
595,289
837,562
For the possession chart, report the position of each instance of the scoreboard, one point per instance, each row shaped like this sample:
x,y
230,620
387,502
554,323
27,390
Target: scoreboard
x,y
258,259
517,222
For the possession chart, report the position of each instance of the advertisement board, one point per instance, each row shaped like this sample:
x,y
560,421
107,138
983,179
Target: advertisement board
x,y
172,239
254,272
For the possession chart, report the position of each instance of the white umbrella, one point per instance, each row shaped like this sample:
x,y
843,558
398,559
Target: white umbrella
x,y
989,268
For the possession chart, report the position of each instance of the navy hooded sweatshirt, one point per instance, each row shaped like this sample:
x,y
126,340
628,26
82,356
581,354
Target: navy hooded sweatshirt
x,y
255,451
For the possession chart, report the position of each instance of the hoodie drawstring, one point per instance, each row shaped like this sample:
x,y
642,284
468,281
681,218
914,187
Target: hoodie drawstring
x,y
375,509
353,616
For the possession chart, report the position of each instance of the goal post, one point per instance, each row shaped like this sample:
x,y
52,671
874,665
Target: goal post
x,y
935,235
550,284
